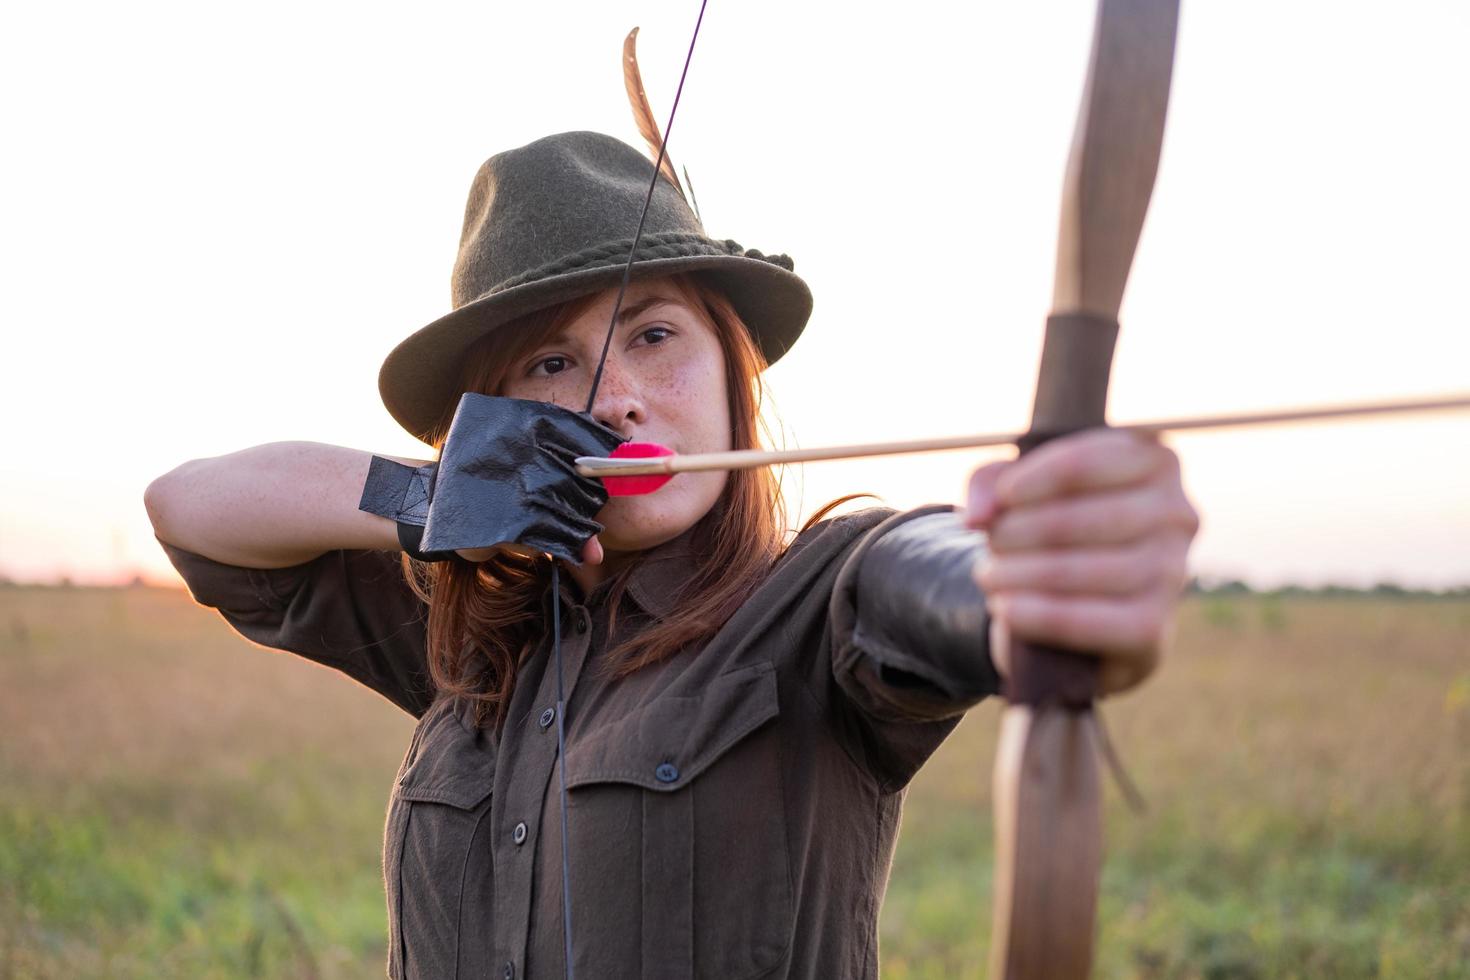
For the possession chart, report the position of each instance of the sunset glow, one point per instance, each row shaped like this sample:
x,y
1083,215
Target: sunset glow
x,y
217,221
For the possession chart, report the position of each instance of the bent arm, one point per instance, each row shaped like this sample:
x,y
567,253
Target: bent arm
x,y
270,506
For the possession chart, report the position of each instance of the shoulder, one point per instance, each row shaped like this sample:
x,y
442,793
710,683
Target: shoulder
x,y
801,580
804,578
832,542
828,540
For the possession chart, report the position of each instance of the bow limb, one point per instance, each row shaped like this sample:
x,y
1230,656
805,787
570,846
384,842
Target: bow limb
x,y
1048,804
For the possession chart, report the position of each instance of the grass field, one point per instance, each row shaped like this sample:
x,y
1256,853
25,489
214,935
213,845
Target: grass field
x,y
177,803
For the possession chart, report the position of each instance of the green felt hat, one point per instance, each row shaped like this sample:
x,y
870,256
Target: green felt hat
x,y
554,220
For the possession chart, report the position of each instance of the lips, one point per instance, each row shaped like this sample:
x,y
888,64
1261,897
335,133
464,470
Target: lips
x,y
633,486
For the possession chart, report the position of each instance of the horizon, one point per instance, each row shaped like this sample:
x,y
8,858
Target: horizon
x,y
1205,585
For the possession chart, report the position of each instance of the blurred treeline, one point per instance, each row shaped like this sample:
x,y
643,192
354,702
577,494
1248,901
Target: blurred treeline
x,y
1382,590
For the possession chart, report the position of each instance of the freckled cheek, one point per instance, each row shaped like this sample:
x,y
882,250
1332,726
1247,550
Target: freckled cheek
x,y
691,399
540,391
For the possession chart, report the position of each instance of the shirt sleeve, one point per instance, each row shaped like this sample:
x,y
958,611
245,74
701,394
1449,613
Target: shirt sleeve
x,y
909,638
350,610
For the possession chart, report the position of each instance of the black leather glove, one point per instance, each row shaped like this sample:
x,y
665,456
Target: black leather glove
x,y
506,475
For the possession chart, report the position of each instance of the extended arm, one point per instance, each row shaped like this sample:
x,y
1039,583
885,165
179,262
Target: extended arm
x,y
910,623
909,646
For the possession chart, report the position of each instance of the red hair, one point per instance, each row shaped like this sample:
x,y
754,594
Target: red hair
x,y
486,619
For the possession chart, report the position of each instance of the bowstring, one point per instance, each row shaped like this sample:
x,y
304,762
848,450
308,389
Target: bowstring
x,y
561,704
561,759
643,215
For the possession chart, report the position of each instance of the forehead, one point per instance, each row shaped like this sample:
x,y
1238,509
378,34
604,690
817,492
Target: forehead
x,y
639,298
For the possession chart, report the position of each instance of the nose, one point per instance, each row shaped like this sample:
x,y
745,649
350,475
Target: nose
x,y
618,404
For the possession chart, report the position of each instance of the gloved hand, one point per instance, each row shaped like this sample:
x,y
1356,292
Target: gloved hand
x,y
505,476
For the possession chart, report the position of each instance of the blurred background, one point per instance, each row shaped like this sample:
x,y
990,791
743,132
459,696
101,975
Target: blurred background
x,y
216,220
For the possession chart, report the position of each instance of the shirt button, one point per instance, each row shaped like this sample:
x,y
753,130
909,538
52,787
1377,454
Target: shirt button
x,y
509,973
547,717
582,623
519,835
666,773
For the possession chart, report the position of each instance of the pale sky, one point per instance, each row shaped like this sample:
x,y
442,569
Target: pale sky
x,y
216,220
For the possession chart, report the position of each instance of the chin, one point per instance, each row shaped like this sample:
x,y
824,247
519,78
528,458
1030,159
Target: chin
x,y
644,522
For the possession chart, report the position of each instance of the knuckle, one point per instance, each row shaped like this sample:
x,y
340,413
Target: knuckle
x,y
1069,464
1071,571
1175,569
1137,514
1189,517
983,572
985,476
1159,614
1138,569
1056,524
1001,534
1067,620
1142,632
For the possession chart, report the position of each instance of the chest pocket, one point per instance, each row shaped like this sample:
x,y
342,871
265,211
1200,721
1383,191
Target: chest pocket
x,y
702,774
437,868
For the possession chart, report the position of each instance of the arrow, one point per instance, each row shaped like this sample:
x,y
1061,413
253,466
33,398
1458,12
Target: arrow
x,y
636,468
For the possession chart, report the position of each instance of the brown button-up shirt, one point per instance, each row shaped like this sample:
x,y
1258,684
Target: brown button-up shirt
x,y
732,811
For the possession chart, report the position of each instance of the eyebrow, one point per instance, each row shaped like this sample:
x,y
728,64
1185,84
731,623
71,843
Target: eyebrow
x,y
625,314
629,312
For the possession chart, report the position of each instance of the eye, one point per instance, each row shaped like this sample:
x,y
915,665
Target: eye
x,y
549,365
655,335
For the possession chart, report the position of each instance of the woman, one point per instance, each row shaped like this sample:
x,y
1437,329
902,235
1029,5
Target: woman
x,y
741,713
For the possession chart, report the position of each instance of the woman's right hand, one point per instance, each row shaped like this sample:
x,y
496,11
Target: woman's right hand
x,y
506,475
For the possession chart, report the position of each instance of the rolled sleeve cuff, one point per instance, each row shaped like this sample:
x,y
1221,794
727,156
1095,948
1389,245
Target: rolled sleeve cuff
x,y
910,630
233,588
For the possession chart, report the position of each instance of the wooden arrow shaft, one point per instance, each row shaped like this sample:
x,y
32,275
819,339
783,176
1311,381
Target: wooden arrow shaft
x,y
742,459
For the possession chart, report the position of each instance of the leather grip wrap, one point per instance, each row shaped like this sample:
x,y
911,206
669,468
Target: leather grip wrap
x,y
1072,386
1048,675
1071,395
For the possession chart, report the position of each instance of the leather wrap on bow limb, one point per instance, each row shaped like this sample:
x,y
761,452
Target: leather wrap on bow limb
x,y
506,476
1048,806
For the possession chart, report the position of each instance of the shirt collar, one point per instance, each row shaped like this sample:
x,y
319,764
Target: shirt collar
x,y
662,573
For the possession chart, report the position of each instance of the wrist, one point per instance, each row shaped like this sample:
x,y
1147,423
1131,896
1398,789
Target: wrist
x,y
401,493
410,538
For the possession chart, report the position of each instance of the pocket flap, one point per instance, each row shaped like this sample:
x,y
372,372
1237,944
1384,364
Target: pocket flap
x,y
673,739
451,764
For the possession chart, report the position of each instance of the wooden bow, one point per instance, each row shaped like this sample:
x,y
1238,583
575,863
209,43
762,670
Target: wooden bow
x,y
1048,807
1047,793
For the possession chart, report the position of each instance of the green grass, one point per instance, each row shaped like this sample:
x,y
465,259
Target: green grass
x,y
1307,767
177,803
